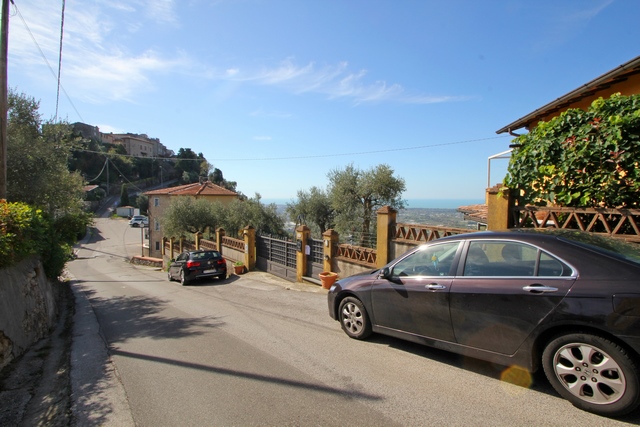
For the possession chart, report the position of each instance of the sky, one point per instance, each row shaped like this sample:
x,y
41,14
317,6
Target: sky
x,y
278,93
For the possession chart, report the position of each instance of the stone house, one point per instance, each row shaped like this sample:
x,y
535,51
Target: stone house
x,y
160,199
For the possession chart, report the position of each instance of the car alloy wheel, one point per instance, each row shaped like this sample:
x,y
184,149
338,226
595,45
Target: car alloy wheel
x,y
183,280
593,373
354,319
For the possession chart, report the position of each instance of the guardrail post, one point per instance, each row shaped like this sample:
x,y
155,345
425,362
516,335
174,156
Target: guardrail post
x,y
386,232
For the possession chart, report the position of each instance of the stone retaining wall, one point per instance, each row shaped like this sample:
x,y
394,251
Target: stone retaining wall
x,y
28,308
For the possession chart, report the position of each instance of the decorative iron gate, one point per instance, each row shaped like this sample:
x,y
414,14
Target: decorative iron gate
x,y
277,256
315,259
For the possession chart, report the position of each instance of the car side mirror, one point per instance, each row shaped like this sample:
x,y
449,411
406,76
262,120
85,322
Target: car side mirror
x,y
385,273
172,260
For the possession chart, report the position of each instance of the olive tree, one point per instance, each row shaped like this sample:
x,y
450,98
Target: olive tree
x,y
38,154
315,207
356,195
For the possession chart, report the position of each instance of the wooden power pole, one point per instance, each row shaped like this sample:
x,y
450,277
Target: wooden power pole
x,y
4,42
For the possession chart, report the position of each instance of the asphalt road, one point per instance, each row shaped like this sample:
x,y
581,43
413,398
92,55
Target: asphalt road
x,y
256,350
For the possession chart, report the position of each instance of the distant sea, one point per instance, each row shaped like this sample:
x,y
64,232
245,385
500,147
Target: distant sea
x,y
411,203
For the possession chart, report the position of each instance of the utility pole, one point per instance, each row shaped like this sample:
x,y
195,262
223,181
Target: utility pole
x,y
4,42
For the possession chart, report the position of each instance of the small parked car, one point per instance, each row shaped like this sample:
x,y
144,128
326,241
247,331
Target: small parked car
x,y
193,265
563,300
139,221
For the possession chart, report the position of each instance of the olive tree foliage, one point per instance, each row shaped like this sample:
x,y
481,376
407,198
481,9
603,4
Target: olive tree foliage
x,y
37,160
581,158
357,194
241,213
186,216
314,207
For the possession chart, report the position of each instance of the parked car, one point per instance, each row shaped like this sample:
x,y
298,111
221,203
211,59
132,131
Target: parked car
x,y
139,221
563,300
189,266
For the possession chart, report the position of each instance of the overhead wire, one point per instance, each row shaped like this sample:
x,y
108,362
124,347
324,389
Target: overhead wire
x,y
46,61
314,156
60,58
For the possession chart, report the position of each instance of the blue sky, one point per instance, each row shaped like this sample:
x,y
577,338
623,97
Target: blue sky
x,y
276,93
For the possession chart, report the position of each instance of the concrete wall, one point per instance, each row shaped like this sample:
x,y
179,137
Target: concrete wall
x,y
28,308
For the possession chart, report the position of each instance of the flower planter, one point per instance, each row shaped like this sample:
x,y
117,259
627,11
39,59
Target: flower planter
x,y
328,278
238,269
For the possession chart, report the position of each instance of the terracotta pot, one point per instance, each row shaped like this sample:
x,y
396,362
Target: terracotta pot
x,y
328,278
238,269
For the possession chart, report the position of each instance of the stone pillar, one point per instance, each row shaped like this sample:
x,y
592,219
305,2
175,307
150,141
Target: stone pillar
x,y
386,232
164,246
249,234
181,244
171,254
330,239
219,235
302,235
499,204
198,237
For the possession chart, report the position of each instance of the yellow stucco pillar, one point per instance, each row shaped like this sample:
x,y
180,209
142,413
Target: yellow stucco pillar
x,y
499,204
249,234
302,235
330,240
386,233
220,233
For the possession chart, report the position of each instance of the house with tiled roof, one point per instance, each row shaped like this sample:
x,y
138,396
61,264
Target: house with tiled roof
x,y
624,79
160,199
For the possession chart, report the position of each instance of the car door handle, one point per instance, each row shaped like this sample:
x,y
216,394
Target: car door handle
x,y
435,287
539,289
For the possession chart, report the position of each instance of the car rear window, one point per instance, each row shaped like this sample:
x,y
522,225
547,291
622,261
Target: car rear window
x,y
614,247
205,255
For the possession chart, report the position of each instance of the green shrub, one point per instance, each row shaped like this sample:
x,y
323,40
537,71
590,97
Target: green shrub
x,y
26,231
581,158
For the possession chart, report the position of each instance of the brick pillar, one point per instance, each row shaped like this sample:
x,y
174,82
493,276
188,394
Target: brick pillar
x,y
499,204
330,239
249,234
219,235
386,232
302,235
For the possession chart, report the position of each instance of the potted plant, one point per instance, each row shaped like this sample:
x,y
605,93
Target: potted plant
x,y
238,267
328,278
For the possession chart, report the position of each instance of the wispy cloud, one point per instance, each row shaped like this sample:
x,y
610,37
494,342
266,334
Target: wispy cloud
x,y
99,70
262,138
568,22
273,113
336,82
102,70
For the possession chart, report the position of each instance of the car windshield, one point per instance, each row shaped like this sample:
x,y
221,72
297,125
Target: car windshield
x,y
614,247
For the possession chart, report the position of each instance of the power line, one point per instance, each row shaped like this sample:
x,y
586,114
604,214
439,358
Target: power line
x,y
46,61
316,156
60,58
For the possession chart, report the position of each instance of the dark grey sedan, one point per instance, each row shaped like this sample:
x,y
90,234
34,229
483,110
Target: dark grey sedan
x,y
566,301
189,266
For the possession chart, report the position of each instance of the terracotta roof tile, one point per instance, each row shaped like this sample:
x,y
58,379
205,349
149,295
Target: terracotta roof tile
x,y
478,213
196,189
